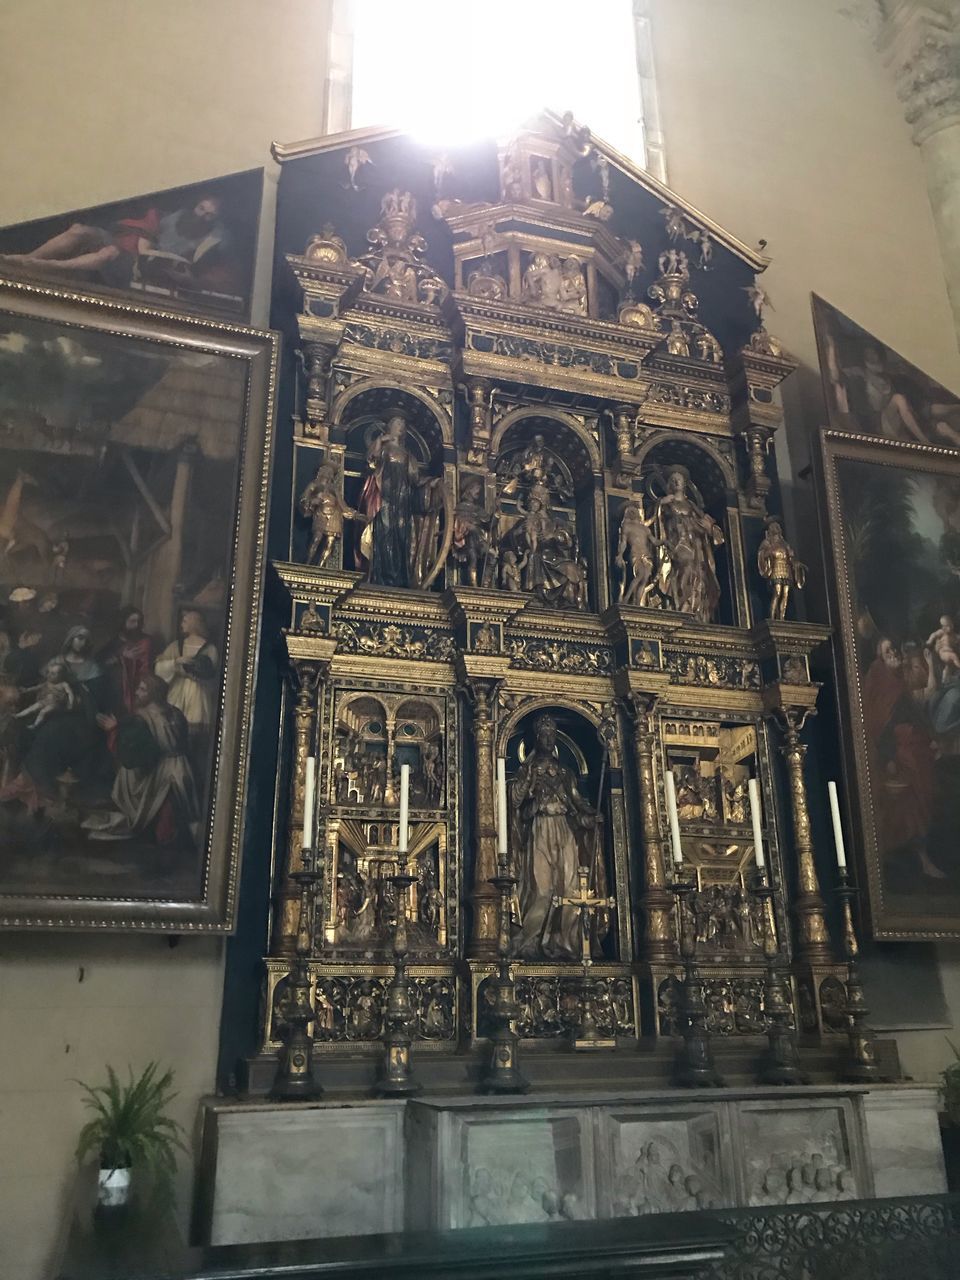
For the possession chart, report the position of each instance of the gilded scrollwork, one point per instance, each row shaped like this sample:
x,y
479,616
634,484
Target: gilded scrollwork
x,y
392,640
712,670
559,655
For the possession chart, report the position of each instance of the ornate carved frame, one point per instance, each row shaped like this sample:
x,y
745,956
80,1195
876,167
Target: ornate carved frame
x,y
886,920
213,911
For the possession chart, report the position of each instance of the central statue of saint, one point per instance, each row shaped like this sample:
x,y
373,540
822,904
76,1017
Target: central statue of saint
x,y
553,833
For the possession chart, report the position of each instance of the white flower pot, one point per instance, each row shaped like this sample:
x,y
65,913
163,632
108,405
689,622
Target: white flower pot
x,y
113,1187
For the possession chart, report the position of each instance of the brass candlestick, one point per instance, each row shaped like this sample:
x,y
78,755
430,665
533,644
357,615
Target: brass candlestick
x,y
694,1066
502,1074
860,1066
294,1081
781,1063
397,1079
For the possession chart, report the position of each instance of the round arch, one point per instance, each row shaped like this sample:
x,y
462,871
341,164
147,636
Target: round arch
x,y
380,394
517,415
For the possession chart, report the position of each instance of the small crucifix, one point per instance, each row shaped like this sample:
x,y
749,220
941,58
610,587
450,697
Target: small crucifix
x,y
587,1034
586,904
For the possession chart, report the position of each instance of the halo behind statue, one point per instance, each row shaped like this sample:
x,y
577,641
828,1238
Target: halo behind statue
x,y
660,475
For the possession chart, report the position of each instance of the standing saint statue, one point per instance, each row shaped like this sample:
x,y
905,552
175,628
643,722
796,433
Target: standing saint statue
x,y
402,509
554,832
781,568
687,576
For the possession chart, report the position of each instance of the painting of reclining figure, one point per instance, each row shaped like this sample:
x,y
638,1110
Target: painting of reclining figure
x,y
188,248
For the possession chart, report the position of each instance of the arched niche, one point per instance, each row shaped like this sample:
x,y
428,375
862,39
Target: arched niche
x,y
418,742
548,846
360,774
709,481
537,452
362,417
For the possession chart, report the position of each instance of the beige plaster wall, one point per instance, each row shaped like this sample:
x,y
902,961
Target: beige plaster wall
x,y
98,101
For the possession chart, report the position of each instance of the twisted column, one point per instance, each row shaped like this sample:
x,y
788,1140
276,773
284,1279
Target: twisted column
x,y
813,938
484,896
306,678
659,938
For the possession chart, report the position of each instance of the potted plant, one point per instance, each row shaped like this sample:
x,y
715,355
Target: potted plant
x,y
131,1131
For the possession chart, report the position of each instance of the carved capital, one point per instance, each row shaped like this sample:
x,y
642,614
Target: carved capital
x,y
757,439
921,45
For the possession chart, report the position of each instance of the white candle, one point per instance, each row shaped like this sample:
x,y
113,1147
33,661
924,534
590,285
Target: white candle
x,y
753,790
837,828
404,808
309,797
670,790
501,807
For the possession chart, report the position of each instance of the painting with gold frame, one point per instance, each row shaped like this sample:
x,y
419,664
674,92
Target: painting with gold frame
x,y
134,475
890,513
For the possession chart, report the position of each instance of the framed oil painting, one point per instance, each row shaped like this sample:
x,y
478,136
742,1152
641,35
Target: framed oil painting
x,y
134,469
891,521
191,248
871,390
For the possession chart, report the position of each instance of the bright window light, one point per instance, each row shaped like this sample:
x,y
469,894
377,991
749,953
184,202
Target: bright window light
x,y
450,71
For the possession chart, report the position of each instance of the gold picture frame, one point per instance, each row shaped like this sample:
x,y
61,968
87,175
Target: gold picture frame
x,y
892,563
135,451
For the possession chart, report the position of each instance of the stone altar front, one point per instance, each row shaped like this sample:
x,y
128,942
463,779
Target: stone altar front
x,y
299,1171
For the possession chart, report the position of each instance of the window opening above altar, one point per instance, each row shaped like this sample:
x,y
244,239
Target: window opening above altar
x,y
450,73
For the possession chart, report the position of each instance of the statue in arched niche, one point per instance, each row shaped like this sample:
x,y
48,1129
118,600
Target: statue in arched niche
x,y
402,508
687,573
554,831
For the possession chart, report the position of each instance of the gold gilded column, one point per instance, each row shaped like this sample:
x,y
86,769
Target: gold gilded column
x,y
813,938
483,939
306,677
659,938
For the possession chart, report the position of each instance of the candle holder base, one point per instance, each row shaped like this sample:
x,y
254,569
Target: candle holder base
x,y
586,1036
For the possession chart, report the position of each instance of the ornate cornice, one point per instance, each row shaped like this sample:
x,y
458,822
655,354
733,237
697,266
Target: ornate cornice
x,y
921,45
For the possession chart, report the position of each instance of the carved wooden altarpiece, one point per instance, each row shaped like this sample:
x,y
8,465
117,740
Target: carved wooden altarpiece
x,y
529,476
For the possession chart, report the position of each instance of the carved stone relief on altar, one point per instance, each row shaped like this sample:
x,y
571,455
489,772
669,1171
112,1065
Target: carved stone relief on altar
x,y
800,1155
667,1163
515,1171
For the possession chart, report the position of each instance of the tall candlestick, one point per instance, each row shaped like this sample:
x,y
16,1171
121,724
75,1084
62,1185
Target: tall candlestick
x,y
753,791
309,798
837,828
501,808
670,791
404,808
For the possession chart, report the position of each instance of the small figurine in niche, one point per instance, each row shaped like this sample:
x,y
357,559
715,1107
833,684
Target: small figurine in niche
x,y
431,902
311,619
325,509
541,181
677,344
484,640
470,534
542,281
573,287
635,554
781,568
511,570
430,769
